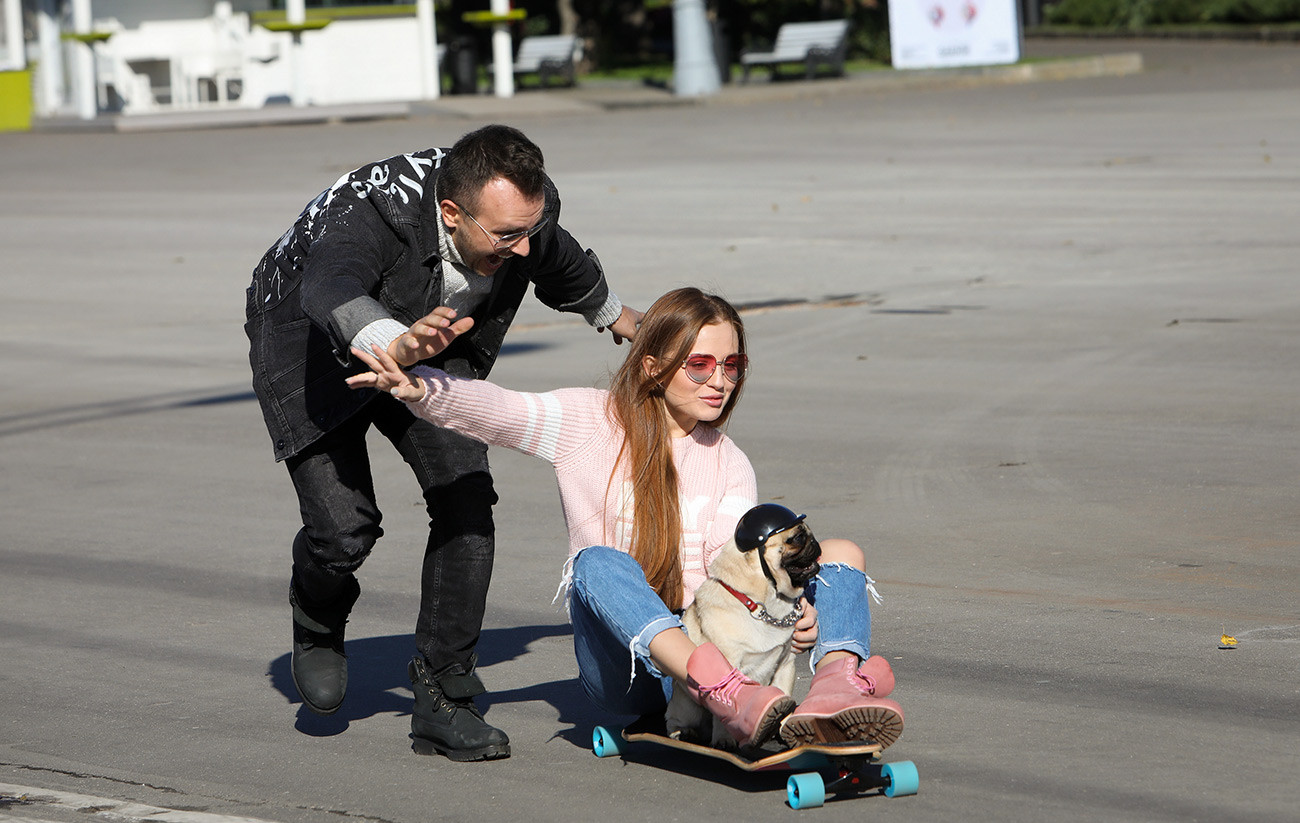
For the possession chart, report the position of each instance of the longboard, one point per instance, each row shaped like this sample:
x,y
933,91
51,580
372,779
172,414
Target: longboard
x,y
853,768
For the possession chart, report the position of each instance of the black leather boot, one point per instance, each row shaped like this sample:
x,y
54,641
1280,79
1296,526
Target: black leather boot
x,y
445,719
319,664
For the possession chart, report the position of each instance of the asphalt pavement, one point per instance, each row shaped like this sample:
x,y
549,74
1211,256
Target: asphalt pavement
x,y
1031,341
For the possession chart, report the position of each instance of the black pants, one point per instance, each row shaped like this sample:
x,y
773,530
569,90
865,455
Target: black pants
x,y
341,519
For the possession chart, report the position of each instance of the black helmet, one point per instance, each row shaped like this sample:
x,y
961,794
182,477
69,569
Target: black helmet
x,y
763,521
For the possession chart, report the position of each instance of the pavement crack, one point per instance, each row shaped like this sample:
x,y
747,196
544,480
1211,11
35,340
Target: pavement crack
x,y
345,814
90,776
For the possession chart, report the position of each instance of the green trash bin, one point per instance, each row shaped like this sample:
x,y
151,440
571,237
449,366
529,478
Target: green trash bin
x,y
15,100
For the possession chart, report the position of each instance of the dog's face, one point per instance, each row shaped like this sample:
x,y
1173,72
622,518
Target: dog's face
x,y
792,557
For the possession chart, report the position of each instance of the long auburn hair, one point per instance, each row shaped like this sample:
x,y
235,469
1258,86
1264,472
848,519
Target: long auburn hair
x,y
667,333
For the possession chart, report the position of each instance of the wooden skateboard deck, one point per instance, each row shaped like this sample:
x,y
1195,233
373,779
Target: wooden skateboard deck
x,y
853,768
752,759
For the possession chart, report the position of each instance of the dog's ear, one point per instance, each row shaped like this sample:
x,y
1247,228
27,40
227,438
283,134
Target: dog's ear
x,y
732,561
771,551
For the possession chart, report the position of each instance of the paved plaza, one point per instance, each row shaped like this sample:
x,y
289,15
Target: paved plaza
x,y
1033,344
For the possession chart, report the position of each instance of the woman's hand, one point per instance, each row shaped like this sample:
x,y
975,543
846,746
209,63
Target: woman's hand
x,y
385,375
805,631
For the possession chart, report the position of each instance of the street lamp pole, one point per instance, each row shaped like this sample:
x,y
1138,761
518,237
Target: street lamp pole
x,y
695,66
295,13
502,51
83,62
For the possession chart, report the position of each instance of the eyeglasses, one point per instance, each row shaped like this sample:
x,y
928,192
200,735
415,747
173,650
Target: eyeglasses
x,y
700,367
505,242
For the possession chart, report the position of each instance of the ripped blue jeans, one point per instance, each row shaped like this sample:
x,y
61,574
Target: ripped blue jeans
x,y
616,614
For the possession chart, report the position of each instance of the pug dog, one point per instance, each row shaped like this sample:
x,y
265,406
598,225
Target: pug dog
x,y
748,607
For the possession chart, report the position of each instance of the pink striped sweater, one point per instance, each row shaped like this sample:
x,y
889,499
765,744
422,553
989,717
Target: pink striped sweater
x,y
570,429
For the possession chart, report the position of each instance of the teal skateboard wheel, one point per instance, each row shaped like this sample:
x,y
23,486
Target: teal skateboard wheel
x,y
805,791
902,778
604,743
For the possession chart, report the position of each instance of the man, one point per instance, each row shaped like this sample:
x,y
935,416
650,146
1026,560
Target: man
x,y
366,263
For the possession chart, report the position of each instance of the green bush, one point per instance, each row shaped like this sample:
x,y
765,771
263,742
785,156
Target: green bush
x,y
1093,13
1138,13
1257,11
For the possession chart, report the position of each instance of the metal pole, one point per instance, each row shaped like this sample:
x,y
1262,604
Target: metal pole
x,y
695,65
503,58
428,49
1033,15
295,12
83,63
50,94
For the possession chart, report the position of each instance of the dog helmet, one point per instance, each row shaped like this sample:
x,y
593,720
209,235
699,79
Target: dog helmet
x,y
763,521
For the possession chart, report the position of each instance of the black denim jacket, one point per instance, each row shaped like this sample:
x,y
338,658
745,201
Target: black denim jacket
x,y
366,249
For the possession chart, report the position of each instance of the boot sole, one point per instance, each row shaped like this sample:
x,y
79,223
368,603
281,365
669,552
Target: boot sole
x,y
317,709
427,747
875,724
771,721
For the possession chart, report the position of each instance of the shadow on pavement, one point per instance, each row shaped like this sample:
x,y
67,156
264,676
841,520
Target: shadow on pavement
x,y
377,682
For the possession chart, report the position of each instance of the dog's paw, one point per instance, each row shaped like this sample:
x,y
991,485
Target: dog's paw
x,y
687,736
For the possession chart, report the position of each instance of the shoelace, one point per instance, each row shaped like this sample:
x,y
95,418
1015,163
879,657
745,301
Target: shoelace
x,y
868,681
725,691
322,640
450,706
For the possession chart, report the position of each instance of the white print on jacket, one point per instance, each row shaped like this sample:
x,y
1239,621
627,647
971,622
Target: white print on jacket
x,y
379,178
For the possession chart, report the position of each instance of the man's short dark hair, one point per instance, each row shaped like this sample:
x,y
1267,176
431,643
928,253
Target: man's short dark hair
x,y
487,153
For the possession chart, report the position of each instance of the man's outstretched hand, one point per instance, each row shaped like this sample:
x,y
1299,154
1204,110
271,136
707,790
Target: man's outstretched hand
x,y
624,328
428,336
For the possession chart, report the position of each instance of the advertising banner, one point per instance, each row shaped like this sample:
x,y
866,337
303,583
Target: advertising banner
x,y
931,34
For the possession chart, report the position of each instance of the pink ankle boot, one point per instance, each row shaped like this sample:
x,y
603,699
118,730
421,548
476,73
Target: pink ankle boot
x,y
846,703
878,674
750,712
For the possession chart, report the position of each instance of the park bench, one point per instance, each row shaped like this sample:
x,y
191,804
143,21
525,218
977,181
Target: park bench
x,y
547,56
814,44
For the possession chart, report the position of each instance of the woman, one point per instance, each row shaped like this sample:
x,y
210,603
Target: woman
x,y
651,491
